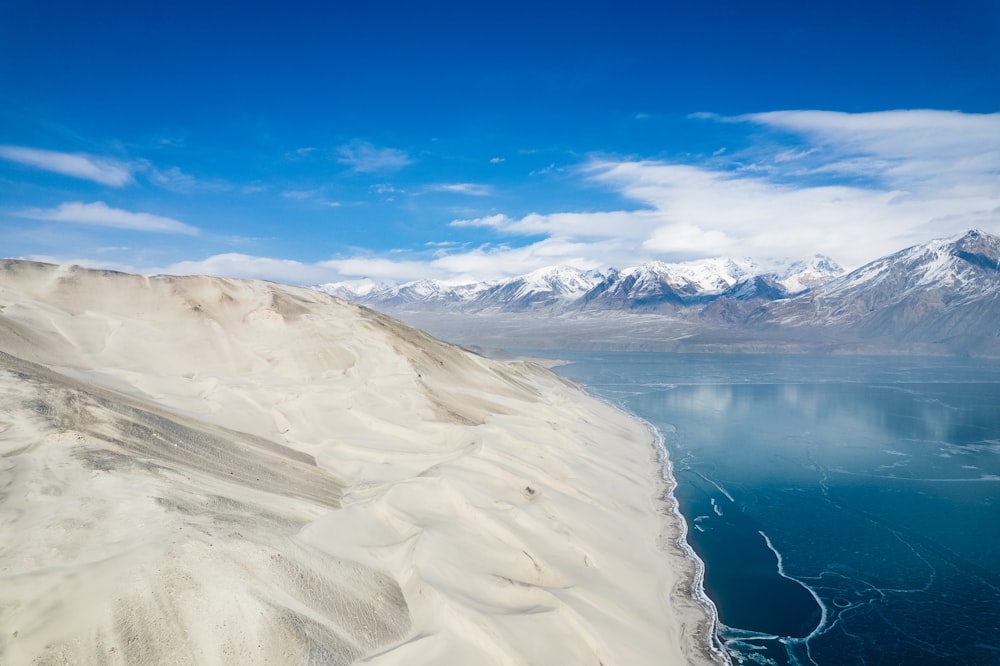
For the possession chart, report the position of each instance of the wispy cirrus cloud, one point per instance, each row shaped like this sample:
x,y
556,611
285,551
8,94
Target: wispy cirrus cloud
x,y
314,195
572,226
363,157
303,195
100,214
177,180
470,189
109,171
916,150
103,170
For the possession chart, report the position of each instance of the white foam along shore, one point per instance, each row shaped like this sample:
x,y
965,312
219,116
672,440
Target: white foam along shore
x,y
199,470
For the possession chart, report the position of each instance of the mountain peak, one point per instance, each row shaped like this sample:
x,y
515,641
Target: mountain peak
x,y
940,290
979,248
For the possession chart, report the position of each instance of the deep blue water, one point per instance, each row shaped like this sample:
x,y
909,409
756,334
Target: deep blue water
x,y
847,509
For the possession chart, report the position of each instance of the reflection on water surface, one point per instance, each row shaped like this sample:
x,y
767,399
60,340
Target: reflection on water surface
x,y
846,508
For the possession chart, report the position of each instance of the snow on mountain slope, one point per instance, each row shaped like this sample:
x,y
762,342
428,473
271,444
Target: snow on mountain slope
x,y
707,276
652,286
656,285
930,292
544,287
934,297
801,276
351,290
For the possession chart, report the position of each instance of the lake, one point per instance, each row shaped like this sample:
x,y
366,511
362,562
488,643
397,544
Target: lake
x,y
847,509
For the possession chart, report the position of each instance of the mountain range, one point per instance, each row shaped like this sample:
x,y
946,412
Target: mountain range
x,y
937,297
650,287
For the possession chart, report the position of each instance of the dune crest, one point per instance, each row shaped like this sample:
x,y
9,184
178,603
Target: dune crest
x,y
199,470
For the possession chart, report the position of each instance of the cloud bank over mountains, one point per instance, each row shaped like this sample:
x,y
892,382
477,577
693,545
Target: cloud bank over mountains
x,y
853,186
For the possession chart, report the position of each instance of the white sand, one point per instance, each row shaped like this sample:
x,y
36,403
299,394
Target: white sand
x,y
197,470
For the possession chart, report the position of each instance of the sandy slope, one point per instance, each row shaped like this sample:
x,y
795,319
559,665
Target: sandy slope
x,y
197,470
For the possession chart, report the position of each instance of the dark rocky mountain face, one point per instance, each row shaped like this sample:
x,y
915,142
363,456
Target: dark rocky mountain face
x,y
979,249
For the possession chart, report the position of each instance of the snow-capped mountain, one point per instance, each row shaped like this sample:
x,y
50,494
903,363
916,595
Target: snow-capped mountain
x,y
428,292
933,292
800,276
785,279
544,288
656,285
352,290
650,287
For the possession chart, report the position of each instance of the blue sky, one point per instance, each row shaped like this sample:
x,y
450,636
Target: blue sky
x,y
314,142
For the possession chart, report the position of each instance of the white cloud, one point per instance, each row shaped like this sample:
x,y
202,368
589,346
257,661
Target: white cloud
x,y
499,221
496,160
176,180
858,187
576,226
172,179
363,157
470,189
380,268
704,212
544,170
919,149
236,265
290,271
77,165
313,196
101,215
384,188
302,195
490,262
913,133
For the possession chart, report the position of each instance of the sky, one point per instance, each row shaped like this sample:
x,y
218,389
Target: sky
x,y
313,142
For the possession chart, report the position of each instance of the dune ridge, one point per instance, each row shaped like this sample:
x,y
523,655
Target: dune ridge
x,y
210,471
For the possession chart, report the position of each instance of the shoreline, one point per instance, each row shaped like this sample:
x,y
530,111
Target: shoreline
x,y
690,584
696,587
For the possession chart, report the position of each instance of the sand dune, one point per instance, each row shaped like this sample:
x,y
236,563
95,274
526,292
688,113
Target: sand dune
x,y
197,470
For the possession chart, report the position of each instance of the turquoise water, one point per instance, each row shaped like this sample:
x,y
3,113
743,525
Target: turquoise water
x,y
847,509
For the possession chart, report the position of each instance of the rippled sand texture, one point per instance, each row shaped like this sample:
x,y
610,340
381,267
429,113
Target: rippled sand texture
x,y
198,470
